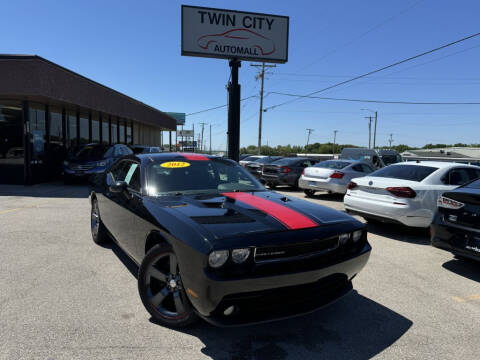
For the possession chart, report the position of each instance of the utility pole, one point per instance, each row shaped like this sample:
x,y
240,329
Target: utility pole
x,y
390,140
193,137
308,137
210,137
261,76
375,130
201,143
369,131
334,139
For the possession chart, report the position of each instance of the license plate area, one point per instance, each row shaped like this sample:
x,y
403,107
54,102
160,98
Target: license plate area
x,y
312,183
473,244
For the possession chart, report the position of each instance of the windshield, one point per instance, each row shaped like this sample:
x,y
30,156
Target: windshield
x,y
190,177
337,165
93,152
405,172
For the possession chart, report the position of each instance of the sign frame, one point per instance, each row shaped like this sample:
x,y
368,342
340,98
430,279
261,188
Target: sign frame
x,y
242,57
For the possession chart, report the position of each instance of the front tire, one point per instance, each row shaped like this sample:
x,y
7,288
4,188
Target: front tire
x,y
309,192
161,288
99,233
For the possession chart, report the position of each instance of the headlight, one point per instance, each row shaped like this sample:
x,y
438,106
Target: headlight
x,y
357,235
218,258
240,255
102,163
65,163
343,238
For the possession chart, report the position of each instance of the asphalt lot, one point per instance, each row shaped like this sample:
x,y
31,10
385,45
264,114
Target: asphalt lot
x,y
63,297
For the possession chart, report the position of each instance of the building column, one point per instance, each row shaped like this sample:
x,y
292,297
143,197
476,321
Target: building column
x,y
26,144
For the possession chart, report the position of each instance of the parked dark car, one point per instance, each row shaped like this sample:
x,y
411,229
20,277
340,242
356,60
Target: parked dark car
x,y
243,156
456,225
255,167
92,159
212,242
286,171
143,149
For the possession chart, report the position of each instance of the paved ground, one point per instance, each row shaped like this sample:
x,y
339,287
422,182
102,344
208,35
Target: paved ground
x,y
62,297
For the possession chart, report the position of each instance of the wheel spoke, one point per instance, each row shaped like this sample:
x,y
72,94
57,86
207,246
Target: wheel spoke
x,y
173,264
178,302
157,299
157,274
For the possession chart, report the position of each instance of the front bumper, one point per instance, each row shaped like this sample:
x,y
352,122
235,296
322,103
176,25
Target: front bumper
x,y
457,240
270,298
322,184
83,173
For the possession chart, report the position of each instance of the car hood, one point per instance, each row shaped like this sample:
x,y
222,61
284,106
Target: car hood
x,y
225,215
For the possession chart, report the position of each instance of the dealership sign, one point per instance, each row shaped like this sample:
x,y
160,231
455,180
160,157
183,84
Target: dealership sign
x,y
179,117
185,133
232,34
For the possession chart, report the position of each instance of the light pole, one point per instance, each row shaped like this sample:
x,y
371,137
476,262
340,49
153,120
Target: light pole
x,y
375,126
334,139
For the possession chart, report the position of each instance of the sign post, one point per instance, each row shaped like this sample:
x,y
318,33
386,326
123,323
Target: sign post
x,y
236,36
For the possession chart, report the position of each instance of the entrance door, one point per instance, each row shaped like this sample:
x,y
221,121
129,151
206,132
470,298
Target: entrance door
x,y
11,143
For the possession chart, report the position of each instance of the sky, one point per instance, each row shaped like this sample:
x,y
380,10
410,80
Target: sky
x,y
134,47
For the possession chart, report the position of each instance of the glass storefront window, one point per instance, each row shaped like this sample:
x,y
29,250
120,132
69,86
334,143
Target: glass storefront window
x,y
84,130
37,130
95,128
56,130
71,130
105,129
114,131
129,133
11,142
121,125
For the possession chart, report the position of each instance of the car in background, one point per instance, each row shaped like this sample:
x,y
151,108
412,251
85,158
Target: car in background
x,y
456,226
407,192
332,176
243,156
143,149
212,242
286,171
255,167
369,156
92,159
250,159
389,156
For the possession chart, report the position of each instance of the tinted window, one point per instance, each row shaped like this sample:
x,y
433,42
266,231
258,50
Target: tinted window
x,y
119,170
405,172
389,159
213,176
366,168
460,176
474,185
92,152
337,165
251,158
286,161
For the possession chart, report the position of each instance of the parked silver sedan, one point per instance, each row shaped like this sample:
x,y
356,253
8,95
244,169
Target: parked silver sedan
x,y
332,176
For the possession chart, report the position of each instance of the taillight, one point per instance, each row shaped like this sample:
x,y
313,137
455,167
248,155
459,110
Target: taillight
x,y
447,203
337,175
351,185
285,169
403,192
303,172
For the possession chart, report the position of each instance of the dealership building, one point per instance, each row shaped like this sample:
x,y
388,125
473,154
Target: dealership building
x,y
47,111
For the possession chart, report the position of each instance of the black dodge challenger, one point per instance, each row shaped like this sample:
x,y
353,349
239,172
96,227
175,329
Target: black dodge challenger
x,y
212,242
456,225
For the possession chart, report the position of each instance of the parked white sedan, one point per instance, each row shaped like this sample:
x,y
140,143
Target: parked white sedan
x,y
406,192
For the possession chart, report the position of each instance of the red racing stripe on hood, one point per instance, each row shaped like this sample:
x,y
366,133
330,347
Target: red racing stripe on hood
x,y
292,219
190,156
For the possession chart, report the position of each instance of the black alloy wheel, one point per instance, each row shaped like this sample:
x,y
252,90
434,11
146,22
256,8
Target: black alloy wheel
x,y
99,234
161,288
309,192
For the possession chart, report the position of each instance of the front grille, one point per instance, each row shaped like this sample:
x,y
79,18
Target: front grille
x,y
80,167
463,218
294,251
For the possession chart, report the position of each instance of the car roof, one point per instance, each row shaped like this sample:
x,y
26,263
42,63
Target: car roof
x,y
165,156
438,164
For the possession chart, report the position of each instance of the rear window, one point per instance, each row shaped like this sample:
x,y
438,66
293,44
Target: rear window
x,y
405,172
251,158
337,165
474,185
286,161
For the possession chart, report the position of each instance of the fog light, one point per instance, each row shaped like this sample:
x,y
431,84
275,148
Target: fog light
x,y
229,311
240,255
357,235
218,258
343,238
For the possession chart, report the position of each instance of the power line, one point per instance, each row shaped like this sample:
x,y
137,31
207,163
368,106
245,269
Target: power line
x,y
375,101
380,69
218,107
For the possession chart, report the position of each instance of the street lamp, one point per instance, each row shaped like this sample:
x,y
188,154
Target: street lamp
x,y
375,129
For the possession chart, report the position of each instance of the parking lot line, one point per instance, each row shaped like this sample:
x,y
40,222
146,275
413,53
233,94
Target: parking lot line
x,y
462,299
9,210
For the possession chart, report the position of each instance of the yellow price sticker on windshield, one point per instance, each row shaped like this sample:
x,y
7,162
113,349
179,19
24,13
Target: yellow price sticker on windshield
x,y
175,164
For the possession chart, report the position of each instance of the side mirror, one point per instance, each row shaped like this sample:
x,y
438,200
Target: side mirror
x,y
263,181
118,187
